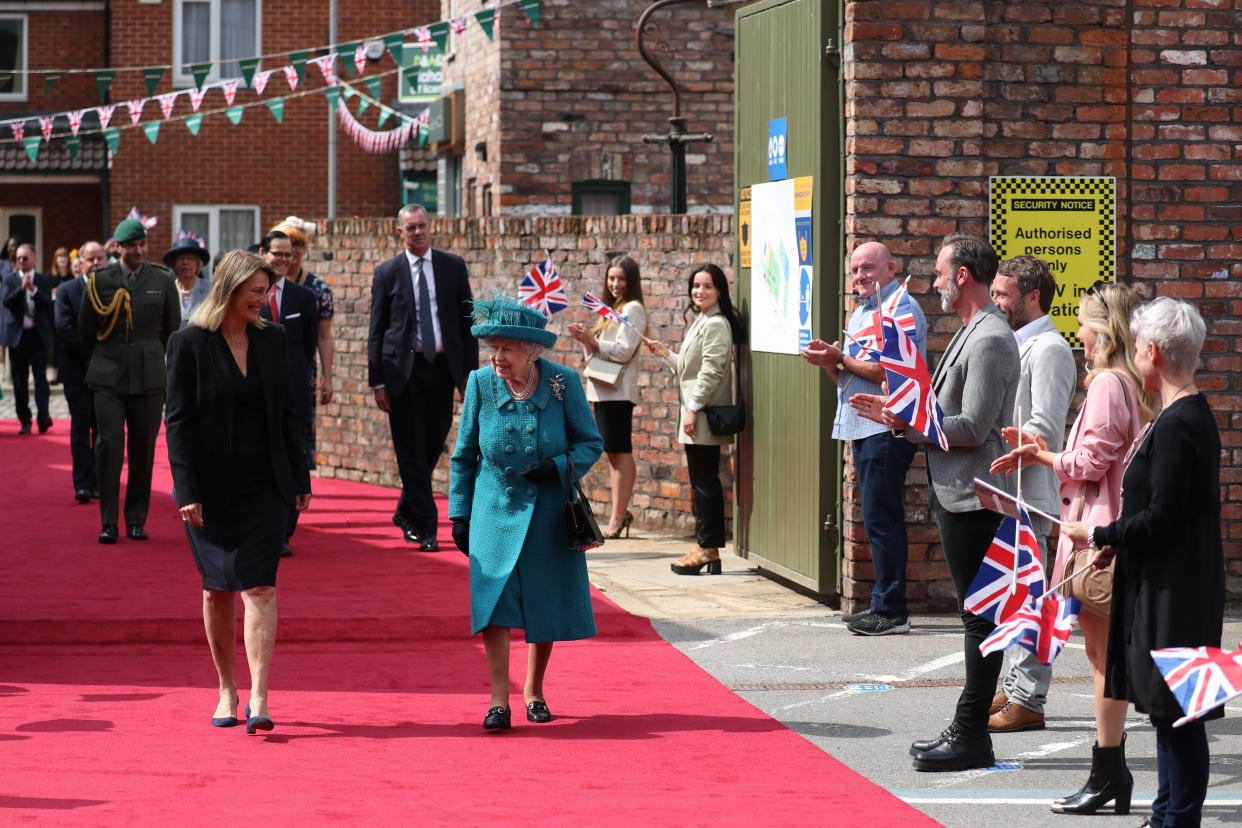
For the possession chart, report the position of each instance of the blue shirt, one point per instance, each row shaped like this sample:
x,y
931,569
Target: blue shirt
x,y
848,424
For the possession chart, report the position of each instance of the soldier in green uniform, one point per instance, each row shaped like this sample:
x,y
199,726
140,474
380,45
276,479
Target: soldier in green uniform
x,y
130,310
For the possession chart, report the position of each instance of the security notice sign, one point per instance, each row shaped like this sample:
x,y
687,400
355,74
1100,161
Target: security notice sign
x,y
1069,222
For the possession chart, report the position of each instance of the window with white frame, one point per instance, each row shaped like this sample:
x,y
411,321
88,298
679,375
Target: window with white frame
x,y
220,226
221,32
13,53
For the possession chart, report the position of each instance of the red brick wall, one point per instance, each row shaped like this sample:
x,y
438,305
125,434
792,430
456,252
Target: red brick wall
x,y
60,40
941,95
353,437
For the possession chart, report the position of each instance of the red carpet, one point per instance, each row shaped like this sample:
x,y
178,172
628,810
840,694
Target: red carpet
x,y
378,691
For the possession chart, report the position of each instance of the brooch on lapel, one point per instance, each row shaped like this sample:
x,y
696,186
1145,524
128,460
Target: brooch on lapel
x,y
557,383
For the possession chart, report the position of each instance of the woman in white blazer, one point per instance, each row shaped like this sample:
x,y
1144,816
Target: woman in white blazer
x,y
705,376
613,403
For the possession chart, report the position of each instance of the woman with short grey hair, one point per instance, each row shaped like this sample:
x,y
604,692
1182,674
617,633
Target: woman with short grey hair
x,y
1169,583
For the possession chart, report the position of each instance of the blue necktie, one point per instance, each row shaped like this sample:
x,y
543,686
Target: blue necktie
x,y
426,327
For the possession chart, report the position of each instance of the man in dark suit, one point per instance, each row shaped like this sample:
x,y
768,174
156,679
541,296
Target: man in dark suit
x,y
27,299
419,350
293,306
131,309
74,357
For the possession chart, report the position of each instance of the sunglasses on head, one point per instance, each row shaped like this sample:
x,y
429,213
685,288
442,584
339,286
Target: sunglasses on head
x,y
1097,290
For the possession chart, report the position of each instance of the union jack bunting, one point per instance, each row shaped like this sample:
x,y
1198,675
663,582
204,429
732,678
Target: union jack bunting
x,y
229,88
260,82
594,304
105,115
135,109
137,216
423,36
18,129
458,25
910,394
291,78
1201,678
197,95
1042,626
1011,573
45,123
360,58
167,102
75,120
541,288
327,67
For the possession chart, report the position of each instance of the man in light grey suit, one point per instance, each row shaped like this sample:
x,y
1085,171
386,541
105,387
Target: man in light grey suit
x,y
1023,290
976,383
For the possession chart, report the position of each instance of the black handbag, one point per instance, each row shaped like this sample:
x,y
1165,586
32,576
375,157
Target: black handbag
x,y
724,420
581,530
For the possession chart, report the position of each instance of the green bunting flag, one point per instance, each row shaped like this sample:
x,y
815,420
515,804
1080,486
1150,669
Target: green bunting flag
x,y
247,69
423,135
531,10
384,114
152,75
113,136
298,60
277,107
103,80
193,122
235,113
333,94
74,143
363,104
152,129
393,43
49,81
439,33
486,20
32,146
346,51
373,85
200,72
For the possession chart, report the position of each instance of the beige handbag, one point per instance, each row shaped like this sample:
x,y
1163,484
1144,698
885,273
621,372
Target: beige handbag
x,y
605,370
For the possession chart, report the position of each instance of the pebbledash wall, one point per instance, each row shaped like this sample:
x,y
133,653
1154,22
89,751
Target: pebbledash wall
x,y
353,436
940,95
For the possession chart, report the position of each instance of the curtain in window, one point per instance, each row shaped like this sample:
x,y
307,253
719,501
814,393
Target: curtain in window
x,y
195,33
239,26
237,229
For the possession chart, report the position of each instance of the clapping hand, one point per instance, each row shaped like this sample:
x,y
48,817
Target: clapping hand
x,y
818,352
872,407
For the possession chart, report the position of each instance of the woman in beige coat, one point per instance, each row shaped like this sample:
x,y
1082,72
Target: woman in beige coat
x,y
705,376
614,342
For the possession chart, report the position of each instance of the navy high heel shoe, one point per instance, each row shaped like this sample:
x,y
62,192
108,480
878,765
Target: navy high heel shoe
x,y
226,721
254,723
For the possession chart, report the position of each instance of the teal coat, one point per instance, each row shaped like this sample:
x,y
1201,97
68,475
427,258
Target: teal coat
x,y
517,529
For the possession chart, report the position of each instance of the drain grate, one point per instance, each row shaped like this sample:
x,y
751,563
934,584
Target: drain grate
x,y
841,685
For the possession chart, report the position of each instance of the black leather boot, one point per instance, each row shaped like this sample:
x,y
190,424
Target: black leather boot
x,y
1110,781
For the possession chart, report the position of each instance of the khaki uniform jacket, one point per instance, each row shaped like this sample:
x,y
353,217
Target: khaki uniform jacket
x,y
131,361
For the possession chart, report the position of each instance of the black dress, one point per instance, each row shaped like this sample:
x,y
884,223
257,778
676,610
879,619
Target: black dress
x,y
238,546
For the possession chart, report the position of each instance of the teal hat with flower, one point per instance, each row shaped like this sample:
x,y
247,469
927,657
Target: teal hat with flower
x,y
504,317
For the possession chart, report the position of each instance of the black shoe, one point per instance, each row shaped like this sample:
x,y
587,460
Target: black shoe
x,y
957,752
285,551
136,532
537,712
855,616
94,494
1110,781
876,624
108,534
497,718
44,424
429,545
83,495
923,745
407,529
25,429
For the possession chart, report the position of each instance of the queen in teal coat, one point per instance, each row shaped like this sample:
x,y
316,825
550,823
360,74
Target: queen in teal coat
x,y
523,418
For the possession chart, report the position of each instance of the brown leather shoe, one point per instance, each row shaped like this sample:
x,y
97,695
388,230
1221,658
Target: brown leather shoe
x,y
1013,718
998,701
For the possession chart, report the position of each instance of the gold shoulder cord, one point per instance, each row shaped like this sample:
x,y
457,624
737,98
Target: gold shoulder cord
x,y
113,309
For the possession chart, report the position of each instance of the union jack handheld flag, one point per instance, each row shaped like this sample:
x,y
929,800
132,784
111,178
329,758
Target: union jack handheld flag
x,y
865,343
1201,678
1042,626
1011,574
593,303
148,223
910,394
541,288
899,309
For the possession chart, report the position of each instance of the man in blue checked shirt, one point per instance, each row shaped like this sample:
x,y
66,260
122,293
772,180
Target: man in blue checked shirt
x,y
881,459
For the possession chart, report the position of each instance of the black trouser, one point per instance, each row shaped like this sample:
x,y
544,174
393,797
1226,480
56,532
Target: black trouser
x,y
81,404
29,354
126,421
703,463
420,419
1182,766
965,537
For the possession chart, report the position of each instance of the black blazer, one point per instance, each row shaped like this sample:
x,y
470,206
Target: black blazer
x,y
75,353
15,303
394,321
299,316
200,409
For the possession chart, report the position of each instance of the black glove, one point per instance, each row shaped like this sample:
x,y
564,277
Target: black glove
x,y
461,535
540,472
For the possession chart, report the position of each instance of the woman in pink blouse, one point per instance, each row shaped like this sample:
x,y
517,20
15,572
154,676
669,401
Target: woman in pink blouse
x,y
1090,471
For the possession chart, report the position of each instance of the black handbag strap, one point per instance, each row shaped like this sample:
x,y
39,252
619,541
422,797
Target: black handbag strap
x,y
572,490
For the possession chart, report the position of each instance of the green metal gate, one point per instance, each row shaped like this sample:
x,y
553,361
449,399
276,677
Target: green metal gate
x,y
787,500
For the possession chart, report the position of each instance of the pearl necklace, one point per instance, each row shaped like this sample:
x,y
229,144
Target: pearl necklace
x,y
530,385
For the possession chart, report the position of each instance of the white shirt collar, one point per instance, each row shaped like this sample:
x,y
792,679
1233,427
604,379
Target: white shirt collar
x,y
1029,329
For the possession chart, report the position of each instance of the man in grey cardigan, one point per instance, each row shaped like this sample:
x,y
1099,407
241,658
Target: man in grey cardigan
x,y
976,383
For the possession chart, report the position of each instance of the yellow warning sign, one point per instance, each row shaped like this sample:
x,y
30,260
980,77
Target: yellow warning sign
x,y
743,227
1069,222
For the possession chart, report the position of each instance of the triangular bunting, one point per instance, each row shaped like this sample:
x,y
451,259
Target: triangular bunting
x,y
530,8
196,98
327,67
235,114
18,128
374,85
394,44
247,69
32,147
75,120
333,94
458,25
422,36
200,72
277,107
291,76
113,137
73,144
105,115
347,52
360,57
152,130
152,75
135,110
45,124
440,33
193,122
167,102
103,80
363,103
49,81
298,61
229,88
260,80
384,114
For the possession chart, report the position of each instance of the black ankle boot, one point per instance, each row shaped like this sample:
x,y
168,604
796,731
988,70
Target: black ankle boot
x,y
1110,781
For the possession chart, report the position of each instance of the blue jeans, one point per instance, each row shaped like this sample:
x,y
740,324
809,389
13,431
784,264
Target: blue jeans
x,y
1182,772
881,462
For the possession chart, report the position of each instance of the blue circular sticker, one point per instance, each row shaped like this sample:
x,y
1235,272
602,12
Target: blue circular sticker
x,y
869,688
